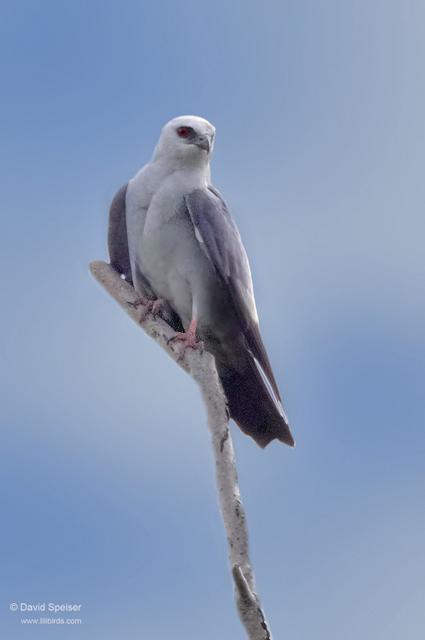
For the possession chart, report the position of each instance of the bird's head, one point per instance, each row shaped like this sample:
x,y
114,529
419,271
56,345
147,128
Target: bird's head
x,y
186,139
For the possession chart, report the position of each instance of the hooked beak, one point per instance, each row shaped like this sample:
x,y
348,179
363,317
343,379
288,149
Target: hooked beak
x,y
203,142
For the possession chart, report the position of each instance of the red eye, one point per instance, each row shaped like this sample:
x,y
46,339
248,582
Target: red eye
x,y
183,132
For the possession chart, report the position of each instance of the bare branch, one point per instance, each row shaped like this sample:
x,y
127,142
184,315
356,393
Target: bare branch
x,y
201,366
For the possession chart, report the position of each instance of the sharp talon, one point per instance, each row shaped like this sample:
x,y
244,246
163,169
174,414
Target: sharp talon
x,y
139,302
150,306
180,357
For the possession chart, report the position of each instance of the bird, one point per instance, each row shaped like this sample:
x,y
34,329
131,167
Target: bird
x,y
171,235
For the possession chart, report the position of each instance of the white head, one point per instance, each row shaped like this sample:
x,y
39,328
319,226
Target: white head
x,y
186,140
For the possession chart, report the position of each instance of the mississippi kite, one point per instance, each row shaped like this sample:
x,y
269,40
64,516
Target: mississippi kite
x,y
171,235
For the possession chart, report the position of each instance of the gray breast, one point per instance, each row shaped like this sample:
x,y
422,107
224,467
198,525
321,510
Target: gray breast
x,y
171,259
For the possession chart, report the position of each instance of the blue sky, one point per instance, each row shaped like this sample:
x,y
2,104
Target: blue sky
x,y
107,485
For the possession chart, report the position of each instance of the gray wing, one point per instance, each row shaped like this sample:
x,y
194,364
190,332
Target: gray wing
x,y
117,235
219,238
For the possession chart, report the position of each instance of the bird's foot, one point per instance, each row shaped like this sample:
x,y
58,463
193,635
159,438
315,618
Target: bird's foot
x,y
190,341
155,307
188,338
139,302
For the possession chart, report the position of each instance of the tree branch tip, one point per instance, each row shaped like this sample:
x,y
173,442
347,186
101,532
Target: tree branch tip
x,y
95,265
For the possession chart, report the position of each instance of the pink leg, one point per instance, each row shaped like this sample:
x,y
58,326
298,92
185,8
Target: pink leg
x,y
188,337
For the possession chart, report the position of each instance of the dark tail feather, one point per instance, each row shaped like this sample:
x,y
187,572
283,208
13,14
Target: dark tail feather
x,y
251,405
